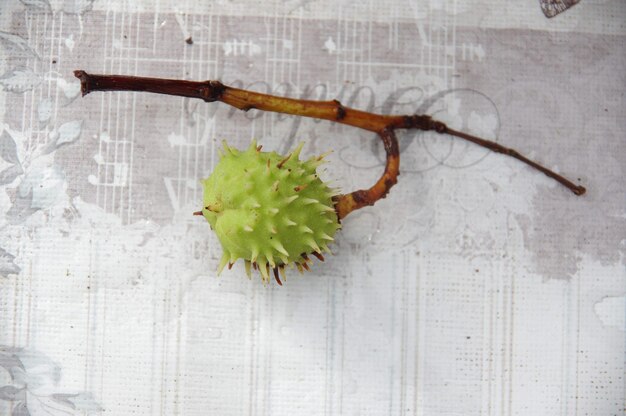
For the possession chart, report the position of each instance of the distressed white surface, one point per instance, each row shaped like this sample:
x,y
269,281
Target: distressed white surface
x,y
477,287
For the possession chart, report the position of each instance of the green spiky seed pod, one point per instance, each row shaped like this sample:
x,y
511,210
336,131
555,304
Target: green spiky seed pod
x,y
268,209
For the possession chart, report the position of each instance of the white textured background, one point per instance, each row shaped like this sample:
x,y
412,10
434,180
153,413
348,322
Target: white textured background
x,y
478,287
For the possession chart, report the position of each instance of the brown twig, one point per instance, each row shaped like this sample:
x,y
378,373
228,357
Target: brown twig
x,y
383,125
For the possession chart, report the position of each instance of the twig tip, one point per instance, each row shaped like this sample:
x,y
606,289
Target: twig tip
x,y
84,78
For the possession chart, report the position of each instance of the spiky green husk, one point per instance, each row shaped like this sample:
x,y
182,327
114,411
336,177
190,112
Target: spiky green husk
x,y
268,209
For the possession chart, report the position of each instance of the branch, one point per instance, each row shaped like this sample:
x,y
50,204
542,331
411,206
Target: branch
x,y
345,204
245,100
383,125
